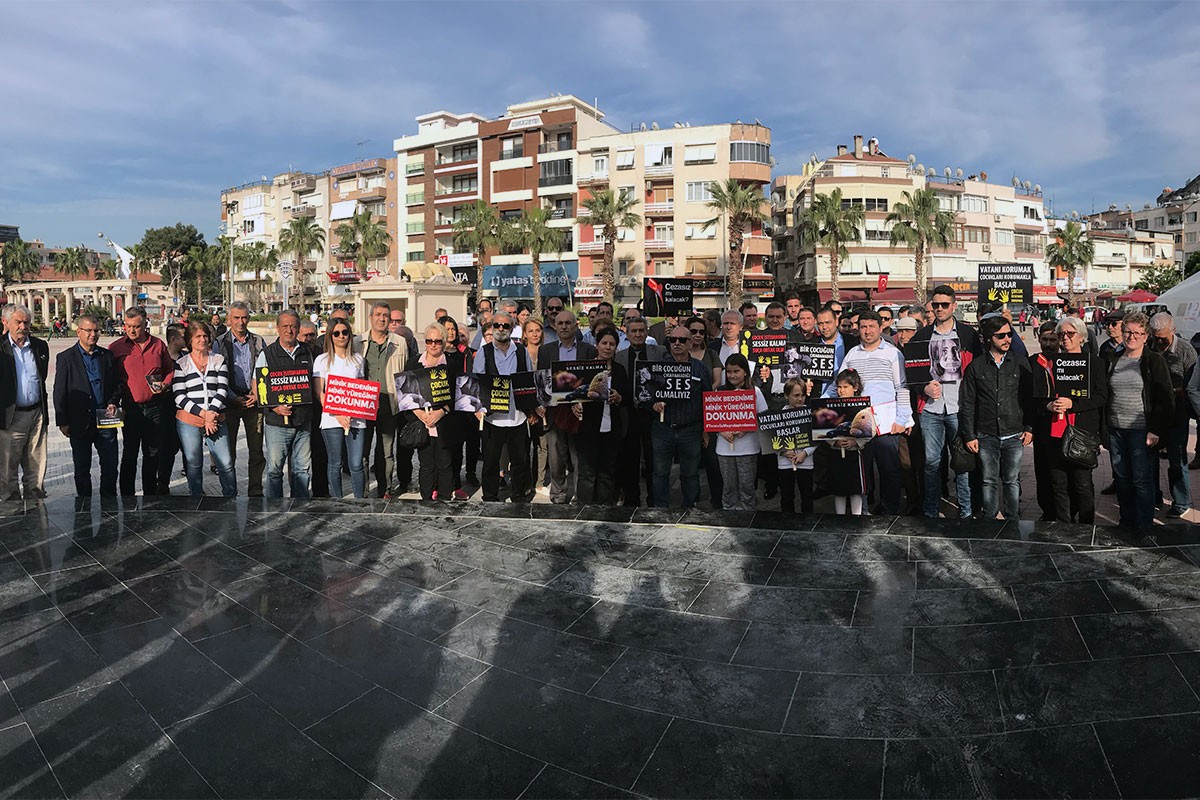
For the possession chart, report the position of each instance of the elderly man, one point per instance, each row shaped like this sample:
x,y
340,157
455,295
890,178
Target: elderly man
x,y
508,430
560,422
24,412
240,349
144,369
637,452
85,382
732,339
1181,362
677,431
397,323
386,355
287,428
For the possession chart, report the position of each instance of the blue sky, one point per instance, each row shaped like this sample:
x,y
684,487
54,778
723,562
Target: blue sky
x,y
123,116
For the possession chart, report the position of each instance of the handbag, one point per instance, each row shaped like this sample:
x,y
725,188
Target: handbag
x,y
414,435
1079,447
962,460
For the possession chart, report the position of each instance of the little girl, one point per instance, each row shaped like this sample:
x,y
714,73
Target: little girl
x,y
845,477
795,466
738,453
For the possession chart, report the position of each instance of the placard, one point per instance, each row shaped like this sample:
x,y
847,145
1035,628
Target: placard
x,y
936,359
578,381
790,428
288,387
662,381
424,388
469,393
767,348
1005,284
810,360
113,420
667,297
525,391
732,411
1071,375
351,397
842,416
499,394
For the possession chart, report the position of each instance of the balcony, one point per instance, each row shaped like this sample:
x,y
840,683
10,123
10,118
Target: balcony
x,y
555,147
556,180
414,228
516,152
373,193
594,179
583,212
660,245
415,168
660,209
414,199
562,213
303,212
590,247
660,170
459,159
448,190
304,183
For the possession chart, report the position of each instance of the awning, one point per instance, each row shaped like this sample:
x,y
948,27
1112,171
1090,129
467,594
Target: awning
x,y
897,296
847,296
1104,296
343,209
1046,296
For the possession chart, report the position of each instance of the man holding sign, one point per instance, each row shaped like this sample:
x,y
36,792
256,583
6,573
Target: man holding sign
x,y
285,378
677,429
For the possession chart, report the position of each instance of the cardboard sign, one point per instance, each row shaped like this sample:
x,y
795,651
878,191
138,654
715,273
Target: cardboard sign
x,y
1005,284
113,420
667,297
662,381
424,388
578,381
1071,375
525,391
731,410
767,348
790,428
842,416
288,387
939,359
499,394
809,360
469,393
351,397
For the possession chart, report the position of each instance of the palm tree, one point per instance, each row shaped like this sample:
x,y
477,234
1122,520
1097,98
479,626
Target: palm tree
x,y
612,211
72,262
918,222
825,223
741,205
18,261
1069,251
301,237
198,261
532,232
477,229
363,239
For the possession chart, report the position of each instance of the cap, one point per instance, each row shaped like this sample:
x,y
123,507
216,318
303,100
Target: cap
x,y
905,324
1114,316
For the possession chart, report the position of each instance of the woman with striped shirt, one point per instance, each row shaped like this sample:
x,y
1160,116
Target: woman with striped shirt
x,y
201,389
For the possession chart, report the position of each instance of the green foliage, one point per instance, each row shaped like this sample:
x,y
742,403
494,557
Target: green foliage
x,y
18,261
477,229
363,239
531,232
299,238
1069,250
1159,279
918,222
824,223
72,262
611,211
1192,265
162,249
740,205
99,312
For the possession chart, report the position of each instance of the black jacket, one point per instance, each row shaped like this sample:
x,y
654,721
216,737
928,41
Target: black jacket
x,y
1158,395
74,405
593,413
1087,412
996,400
8,377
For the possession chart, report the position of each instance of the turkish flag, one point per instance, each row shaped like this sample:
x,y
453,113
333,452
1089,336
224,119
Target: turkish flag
x,y
883,283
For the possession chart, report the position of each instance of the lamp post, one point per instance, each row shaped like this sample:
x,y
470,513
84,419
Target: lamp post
x,y
229,234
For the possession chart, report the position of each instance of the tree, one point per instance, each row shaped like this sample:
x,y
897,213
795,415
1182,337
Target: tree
x,y
107,269
18,261
1069,251
918,222
1158,279
197,263
477,229
611,211
532,232
740,205
162,250
363,239
301,237
72,262
1192,265
826,223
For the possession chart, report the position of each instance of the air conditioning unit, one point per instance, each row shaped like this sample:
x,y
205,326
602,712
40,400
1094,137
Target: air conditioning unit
x,y
987,248
996,217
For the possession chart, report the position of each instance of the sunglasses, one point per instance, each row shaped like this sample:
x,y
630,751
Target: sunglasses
x,y
885,319
678,339
501,326
1069,334
1002,335
940,305
435,341
342,334
697,331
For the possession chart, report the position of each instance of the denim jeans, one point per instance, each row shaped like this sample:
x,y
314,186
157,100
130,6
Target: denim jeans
x,y
1133,473
882,453
192,441
670,442
1178,481
354,440
1000,463
938,429
290,445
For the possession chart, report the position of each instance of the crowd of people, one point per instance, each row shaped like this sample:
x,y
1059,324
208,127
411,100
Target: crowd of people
x,y
201,388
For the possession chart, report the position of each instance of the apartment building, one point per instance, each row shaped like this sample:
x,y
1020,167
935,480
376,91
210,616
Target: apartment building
x,y
1121,257
670,171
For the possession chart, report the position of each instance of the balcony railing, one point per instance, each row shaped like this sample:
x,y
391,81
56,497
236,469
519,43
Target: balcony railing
x,y
373,193
414,199
517,152
582,212
415,168
414,228
660,244
304,183
555,147
562,213
556,180
590,247
593,178
459,159
300,212
653,209
445,190
660,170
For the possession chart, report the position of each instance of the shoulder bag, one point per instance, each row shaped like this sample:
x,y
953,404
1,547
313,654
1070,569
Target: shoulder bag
x,y
1080,448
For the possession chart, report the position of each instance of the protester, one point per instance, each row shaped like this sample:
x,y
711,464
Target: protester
x,y
85,382
386,355
995,417
1041,367
749,313
845,476
732,340
176,341
435,478
827,330
562,426
602,427
795,464
241,348
677,431
698,349
738,452
807,324
792,306
1181,362
24,411
1071,484
144,372
533,336
463,427
342,434
397,325
201,389
483,322
319,484
217,328
287,438
510,429
885,321
637,448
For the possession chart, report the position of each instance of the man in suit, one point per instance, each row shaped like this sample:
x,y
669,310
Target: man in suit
x,y
562,425
24,415
637,450
85,381
240,349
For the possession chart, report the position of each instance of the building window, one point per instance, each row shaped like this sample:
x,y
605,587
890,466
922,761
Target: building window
x,y
664,266
658,155
1142,225
699,191
415,255
1004,236
1031,212
664,232
1029,242
1191,216
600,165
465,183
415,227
556,173
512,147
885,172
1159,222
699,153
1190,237
248,226
624,266
696,230
973,203
754,152
873,235
377,209
626,192
625,159
663,194
464,152
976,235
701,266
510,214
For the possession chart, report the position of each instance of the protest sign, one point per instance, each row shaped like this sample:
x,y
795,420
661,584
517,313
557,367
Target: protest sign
x,y
842,416
1071,376
937,359
1005,284
578,381
287,387
666,297
809,360
107,420
525,391
499,394
790,428
351,397
662,381
767,348
469,393
731,411
424,388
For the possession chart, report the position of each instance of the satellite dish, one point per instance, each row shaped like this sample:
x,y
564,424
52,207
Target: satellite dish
x,y
1037,187
920,169
947,172
912,159
958,174
1016,182
642,126
1074,215
1028,185
653,126
1128,207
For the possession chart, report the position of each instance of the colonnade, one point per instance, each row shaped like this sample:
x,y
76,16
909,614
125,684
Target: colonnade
x,y
50,300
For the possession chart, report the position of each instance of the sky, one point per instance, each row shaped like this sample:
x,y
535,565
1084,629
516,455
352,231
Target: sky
x,y
121,116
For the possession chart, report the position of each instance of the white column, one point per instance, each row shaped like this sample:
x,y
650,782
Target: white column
x,y
46,306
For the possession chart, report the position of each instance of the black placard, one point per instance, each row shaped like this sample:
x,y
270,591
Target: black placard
x,y
667,297
790,428
842,416
578,381
810,360
1072,376
1005,284
663,381
425,388
288,387
937,359
469,394
525,391
767,348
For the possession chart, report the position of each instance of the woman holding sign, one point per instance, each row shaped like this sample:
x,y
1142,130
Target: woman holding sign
x,y
1080,394
738,452
340,359
435,476
602,427
201,389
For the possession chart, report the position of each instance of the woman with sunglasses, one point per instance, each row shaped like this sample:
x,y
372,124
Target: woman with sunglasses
x,y
1140,410
435,476
698,347
340,359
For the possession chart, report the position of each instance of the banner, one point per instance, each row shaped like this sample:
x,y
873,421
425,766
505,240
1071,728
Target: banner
x,y
810,360
288,387
578,381
731,411
790,428
662,381
424,388
842,416
938,359
667,297
1071,375
351,397
1010,284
